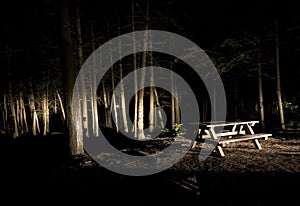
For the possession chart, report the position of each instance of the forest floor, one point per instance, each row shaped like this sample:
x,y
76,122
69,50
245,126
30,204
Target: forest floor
x,y
36,170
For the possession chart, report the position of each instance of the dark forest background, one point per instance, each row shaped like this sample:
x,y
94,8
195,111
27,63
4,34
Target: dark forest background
x,y
249,42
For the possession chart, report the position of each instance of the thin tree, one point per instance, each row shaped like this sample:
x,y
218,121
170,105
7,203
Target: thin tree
x,y
106,99
177,108
82,80
114,109
260,93
123,103
141,93
134,129
94,90
278,85
35,120
13,111
172,98
5,112
151,94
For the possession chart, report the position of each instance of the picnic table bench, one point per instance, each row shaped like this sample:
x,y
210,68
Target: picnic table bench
x,y
223,133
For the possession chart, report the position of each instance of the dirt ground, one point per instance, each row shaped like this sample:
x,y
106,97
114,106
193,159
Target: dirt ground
x,y
246,175
36,171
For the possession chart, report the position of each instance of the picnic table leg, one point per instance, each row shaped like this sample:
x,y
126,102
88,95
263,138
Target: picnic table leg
x,y
220,150
249,129
194,144
214,136
212,133
199,137
257,145
233,130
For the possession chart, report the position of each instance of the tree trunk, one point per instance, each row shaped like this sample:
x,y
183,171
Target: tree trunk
x,y
106,98
261,100
18,115
113,111
61,106
13,111
152,96
235,99
172,99
123,103
35,121
74,120
45,111
5,112
177,108
135,75
141,134
82,80
94,90
161,122
278,88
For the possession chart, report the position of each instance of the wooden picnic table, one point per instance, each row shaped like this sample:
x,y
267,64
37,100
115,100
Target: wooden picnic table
x,y
228,132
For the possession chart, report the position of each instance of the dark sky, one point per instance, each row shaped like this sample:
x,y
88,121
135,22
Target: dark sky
x,y
207,18
26,24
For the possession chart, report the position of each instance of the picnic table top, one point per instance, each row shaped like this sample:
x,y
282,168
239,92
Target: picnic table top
x,y
222,123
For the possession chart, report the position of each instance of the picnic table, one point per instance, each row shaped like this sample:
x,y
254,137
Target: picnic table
x,y
228,132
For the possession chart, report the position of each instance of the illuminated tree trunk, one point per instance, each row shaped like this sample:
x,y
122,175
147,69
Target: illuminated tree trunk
x,y
123,103
61,105
74,120
94,90
45,108
35,121
141,94
45,111
4,112
160,118
135,75
177,108
113,110
261,100
278,86
172,99
106,98
18,113
152,96
23,115
13,111
82,80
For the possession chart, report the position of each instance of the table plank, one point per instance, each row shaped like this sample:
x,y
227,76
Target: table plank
x,y
244,137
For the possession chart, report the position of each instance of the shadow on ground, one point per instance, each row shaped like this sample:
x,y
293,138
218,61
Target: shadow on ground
x,y
37,170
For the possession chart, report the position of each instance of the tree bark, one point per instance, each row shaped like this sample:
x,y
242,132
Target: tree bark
x,y
141,93
94,90
106,98
113,111
5,112
13,111
161,122
177,108
134,68
74,120
123,103
172,99
261,99
45,113
278,86
235,99
61,106
152,96
82,80
35,121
